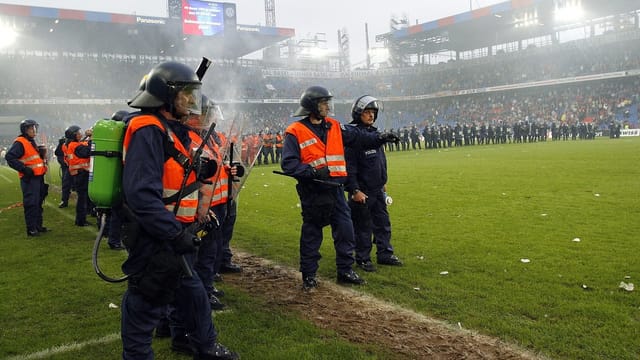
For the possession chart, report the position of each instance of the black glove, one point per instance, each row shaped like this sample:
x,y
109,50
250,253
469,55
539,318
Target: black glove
x,y
185,242
321,173
388,137
205,168
28,172
239,168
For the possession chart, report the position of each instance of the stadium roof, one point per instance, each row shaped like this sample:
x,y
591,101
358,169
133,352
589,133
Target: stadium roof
x,y
93,31
496,24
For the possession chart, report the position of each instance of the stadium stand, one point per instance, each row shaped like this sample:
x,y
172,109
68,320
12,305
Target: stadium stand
x,y
595,80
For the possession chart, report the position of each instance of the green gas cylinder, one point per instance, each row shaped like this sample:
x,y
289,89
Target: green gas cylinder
x,y
105,168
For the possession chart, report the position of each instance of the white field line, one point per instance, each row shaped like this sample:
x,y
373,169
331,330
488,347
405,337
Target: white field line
x,y
66,348
6,178
69,215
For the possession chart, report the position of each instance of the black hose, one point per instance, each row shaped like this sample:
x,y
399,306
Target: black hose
x,y
96,248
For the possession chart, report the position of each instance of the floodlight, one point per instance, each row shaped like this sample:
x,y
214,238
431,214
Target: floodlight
x,y
569,13
7,36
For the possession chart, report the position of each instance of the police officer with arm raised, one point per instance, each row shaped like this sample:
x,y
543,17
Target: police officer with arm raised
x,y
367,169
314,154
156,182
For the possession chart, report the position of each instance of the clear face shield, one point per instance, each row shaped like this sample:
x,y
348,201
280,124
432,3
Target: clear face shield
x,y
325,107
189,100
210,115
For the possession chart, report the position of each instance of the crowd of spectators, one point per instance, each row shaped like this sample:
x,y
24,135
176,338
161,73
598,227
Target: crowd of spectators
x,y
99,84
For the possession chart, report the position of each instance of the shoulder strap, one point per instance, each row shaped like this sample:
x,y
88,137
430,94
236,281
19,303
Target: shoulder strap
x,y
170,150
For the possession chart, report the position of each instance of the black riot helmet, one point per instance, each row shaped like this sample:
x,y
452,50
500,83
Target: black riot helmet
x,y
25,124
363,103
70,132
161,85
119,115
309,100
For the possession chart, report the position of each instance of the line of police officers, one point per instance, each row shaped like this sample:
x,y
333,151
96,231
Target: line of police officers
x,y
162,195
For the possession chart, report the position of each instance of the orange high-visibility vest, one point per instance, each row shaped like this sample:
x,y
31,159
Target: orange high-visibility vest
x,y
76,163
173,172
215,193
31,158
318,154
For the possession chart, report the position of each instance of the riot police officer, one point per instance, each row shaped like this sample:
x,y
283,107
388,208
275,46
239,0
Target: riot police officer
x,y
157,158
367,169
66,181
314,154
77,153
24,157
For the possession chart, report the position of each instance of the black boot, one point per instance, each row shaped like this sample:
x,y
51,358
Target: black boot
x,y
216,304
350,277
309,282
218,352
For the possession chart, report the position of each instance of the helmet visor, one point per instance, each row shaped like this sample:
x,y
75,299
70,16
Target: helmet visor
x,y
210,115
189,100
325,107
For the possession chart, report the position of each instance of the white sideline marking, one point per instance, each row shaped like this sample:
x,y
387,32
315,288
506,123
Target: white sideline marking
x,y
67,348
70,215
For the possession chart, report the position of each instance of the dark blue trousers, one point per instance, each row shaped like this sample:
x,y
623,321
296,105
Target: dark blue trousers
x,y
341,231
32,197
81,183
191,309
67,184
209,252
379,227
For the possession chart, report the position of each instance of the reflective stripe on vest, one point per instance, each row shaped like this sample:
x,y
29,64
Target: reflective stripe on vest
x,y
31,158
76,163
317,154
172,173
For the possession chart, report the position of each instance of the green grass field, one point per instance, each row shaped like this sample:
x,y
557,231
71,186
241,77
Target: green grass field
x,y
474,212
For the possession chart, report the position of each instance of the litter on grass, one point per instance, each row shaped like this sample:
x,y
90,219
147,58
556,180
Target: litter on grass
x,y
525,261
576,240
420,257
113,306
626,286
596,195
444,273
543,214
416,288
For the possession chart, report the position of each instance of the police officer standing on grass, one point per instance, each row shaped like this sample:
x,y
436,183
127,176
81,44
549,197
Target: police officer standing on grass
x,y
314,154
160,195
66,180
24,157
367,169
77,154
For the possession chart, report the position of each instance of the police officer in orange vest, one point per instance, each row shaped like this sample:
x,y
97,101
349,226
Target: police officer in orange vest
x,y
213,200
279,145
314,154
158,156
77,154
24,157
